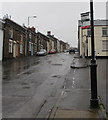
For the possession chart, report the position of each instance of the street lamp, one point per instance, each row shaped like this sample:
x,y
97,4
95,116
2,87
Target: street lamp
x,y
30,17
94,100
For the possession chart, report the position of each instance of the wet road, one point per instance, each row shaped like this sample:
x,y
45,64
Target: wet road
x,y
32,85
27,82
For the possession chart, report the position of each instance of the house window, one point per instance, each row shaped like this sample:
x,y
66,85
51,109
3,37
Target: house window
x,y
29,46
11,33
35,48
21,48
36,40
88,32
10,46
21,38
30,36
105,45
105,31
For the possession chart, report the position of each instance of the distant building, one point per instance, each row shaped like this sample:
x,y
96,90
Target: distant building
x,y
67,46
62,46
51,41
54,42
100,38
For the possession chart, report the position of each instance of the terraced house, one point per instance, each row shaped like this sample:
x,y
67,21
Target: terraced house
x,y
43,42
32,41
100,38
14,38
62,46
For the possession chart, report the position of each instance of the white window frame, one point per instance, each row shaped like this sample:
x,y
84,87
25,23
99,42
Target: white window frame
x,y
35,40
105,45
11,33
105,29
30,36
21,38
29,46
10,46
21,48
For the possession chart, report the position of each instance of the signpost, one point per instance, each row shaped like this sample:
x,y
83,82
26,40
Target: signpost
x,y
84,17
94,100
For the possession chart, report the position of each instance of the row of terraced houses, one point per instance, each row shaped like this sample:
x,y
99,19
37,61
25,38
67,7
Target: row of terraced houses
x,y
17,40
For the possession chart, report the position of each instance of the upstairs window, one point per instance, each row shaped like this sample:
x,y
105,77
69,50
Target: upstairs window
x,y
11,33
35,40
21,38
88,32
30,37
105,31
29,46
10,46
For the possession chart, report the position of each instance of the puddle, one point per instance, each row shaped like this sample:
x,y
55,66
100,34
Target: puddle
x,y
49,62
58,76
24,84
52,83
57,64
28,72
27,87
36,63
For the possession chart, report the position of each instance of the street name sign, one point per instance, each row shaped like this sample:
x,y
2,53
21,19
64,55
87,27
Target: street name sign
x,y
85,16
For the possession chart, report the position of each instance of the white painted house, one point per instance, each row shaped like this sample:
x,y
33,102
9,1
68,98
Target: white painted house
x,y
100,38
1,39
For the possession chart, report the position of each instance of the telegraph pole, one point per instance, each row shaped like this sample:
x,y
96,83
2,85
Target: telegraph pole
x,y
93,66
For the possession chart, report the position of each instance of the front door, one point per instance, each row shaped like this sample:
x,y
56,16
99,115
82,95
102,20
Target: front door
x,y
31,49
14,50
17,50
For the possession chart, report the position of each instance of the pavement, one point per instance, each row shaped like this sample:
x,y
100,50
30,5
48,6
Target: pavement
x,y
74,99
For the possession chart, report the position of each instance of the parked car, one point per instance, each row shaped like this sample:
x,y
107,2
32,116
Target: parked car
x,y
52,51
76,50
42,52
71,51
65,51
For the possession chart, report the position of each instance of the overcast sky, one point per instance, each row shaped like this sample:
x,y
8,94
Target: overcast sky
x,y
60,18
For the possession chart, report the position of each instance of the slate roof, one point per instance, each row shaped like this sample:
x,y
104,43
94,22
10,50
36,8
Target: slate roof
x,y
97,22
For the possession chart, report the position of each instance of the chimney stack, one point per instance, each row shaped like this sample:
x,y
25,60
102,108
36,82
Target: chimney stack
x,y
33,29
48,32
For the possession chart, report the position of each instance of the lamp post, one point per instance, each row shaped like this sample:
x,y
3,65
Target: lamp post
x,y
93,66
26,29
29,18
